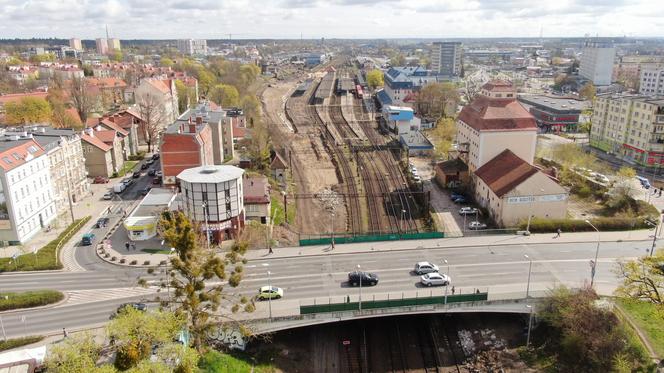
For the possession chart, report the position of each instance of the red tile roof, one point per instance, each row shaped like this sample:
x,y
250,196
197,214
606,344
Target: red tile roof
x,y
159,85
107,136
256,190
505,172
103,83
498,86
106,122
278,163
7,159
496,114
93,140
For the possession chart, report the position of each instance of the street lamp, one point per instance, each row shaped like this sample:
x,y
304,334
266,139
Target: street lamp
x,y
207,228
269,299
403,216
654,237
448,276
360,274
530,323
593,266
168,280
530,269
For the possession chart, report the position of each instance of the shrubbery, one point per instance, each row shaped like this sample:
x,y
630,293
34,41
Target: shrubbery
x,y
29,299
18,342
539,225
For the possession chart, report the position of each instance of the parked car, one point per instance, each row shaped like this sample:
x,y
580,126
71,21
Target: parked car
x,y
476,225
100,180
460,200
468,211
127,182
152,172
136,305
136,175
87,239
102,222
146,190
417,178
156,180
644,182
456,195
270,292
425,267
155,156
144,166
368,279
108,196
159,174
150,162
435,279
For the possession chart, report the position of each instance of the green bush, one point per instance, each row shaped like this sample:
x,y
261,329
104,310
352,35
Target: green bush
x,y
539,225
44,259
28,299
217,362
18,342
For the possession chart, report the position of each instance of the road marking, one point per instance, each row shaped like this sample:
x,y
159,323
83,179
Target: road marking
x,y
97,295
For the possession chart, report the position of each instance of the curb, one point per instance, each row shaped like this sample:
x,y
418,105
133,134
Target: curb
x,y
431,248
46,306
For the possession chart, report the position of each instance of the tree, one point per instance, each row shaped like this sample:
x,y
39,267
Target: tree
x,y
375,78
206,80
27,111
75,355
225,95
186,96
192,266
643,279
152,114
81,98
621,194
60,116
587,92
398,59
437,99
443,136
117,55
258,145
251,108
166,62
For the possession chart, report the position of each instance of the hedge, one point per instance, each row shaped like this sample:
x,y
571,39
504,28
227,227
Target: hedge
x,y
47,257
18,342
28,299
539,225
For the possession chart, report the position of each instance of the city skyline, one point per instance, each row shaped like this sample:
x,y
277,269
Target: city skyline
x,y
313,19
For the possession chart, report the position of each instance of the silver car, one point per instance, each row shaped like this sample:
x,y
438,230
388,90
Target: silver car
x,y
435,279
425,267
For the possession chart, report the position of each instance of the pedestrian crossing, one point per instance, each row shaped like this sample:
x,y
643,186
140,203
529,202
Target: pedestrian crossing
x,y
99,295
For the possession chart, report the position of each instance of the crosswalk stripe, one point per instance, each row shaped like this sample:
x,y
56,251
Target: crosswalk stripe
x,y
95,295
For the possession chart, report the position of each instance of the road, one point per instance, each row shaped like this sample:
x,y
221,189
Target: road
x,y
499,269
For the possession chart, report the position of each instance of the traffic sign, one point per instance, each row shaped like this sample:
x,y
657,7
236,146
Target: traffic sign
x,y
346,343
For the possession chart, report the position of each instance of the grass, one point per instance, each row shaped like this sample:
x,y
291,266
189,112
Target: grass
x,y
156,251
217,362
28,299
47,257
277,210
18,342
127,167
648,318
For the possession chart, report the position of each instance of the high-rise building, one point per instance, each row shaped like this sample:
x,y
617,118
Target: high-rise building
x,y
446,58
114,44
192,46
75,44
652,81
597,62
102,45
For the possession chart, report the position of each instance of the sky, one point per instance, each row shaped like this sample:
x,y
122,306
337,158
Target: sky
x,y
249,19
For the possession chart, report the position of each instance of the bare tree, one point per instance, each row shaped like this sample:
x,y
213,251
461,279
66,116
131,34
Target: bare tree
x,y
152,114
81,99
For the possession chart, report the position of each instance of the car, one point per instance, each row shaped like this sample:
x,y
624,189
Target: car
x,y
476,225
108,196
417,178
142,307
270,292
159,174
156,180
425,267
146,190
144,166
468,211
460,200
100,180
644,182
152,172
87,239
150,162
456,195
155,156
367,278
102,222
136,175
435,279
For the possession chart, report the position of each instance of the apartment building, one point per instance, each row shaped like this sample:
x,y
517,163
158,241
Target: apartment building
x,y
402,82
75,44
27,200
98,155
114,44
629,126
652,81
185,144
192,46
446,59
597,62
102,46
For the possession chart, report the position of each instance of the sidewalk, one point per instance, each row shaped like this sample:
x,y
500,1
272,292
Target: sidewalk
x,y
545,238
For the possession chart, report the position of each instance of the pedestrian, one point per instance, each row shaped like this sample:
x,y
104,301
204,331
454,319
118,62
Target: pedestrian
x,y
558,232
109,209
133,246
347,298
64,333
127,246
453,290
660,193
270,251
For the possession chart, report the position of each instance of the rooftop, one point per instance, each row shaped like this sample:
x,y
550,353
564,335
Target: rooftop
x,y
415,140
256,189
505,172
496,114
210,174
558,104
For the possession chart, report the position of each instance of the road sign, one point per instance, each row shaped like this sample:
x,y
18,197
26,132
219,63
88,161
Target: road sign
x,y
345,343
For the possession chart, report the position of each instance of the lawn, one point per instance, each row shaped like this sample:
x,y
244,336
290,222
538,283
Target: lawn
x,y
18,342
156,251
47,257
649,319
29,299
277,203
127,167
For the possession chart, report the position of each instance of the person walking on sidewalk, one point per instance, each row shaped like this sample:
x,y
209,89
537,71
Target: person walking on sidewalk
x,y
558,232
64,333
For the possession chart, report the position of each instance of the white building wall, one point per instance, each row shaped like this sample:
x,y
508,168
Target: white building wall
x,y
652,82
597,64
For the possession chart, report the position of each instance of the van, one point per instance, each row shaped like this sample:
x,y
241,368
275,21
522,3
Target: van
x,y
87,239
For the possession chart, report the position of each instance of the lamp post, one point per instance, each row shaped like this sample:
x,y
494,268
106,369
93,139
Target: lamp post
x,y
269,299
530,323
532,207
403,216
360,274
654,237
207,228
593,266
530,269
448,276
168,280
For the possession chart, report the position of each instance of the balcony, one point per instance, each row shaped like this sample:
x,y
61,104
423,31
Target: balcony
x,y
659,118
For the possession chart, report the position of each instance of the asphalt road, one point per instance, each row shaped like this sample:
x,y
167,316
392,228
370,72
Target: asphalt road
x,y
500,269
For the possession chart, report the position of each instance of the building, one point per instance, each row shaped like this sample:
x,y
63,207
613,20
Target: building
x,y
597,62
495,121
256,198
213,197
187,143
278,166
400,120
652,81
511,190
446,58
98,155
451,173
141,224
112,138
161,93
192,46
127,121
555,114
102,46
75,44
313,59
629,126
400,82
416,144
114,44
27,201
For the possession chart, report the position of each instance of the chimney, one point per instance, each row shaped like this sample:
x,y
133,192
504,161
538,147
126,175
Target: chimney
x,y
199,119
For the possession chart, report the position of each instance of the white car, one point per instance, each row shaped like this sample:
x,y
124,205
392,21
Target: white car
x,y
435,279
602,178
467,211
476,225
159,174
425,267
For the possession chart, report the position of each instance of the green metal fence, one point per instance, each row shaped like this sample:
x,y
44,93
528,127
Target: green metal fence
x,y
341,239
388,303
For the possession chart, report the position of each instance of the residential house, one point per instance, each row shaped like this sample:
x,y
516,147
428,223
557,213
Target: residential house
x,y
185,144
164,94
130,123
98,155
108,91
256,198
113,139
107,124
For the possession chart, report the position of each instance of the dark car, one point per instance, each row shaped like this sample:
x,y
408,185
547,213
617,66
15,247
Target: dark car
x,y
136,175
145,191
101,222
156,181
144,166
137,306
155,156
152,173
368,279
87,239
